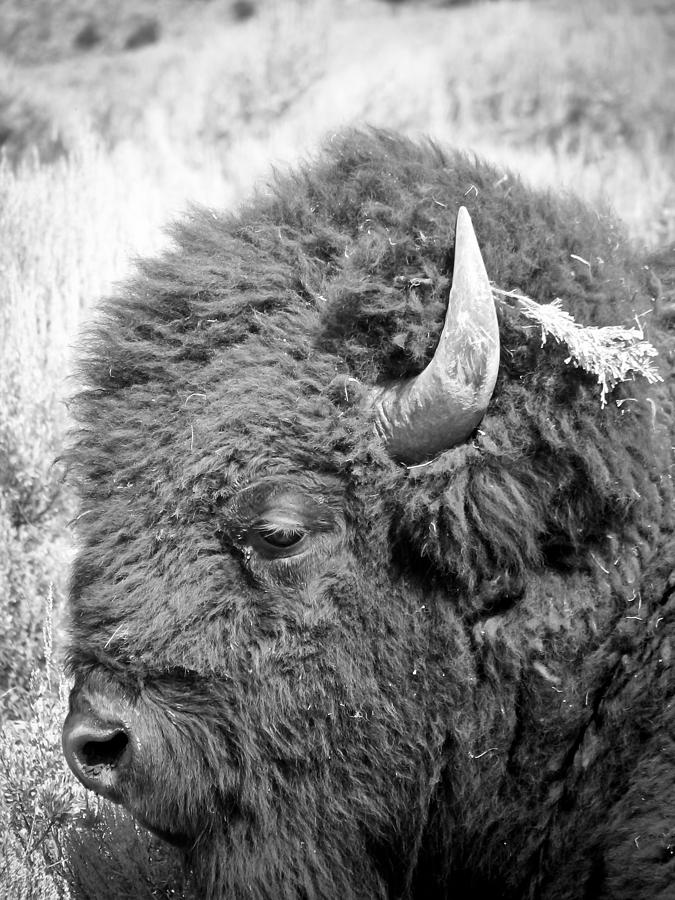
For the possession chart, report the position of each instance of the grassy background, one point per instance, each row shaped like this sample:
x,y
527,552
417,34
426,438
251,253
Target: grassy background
x,y
113,115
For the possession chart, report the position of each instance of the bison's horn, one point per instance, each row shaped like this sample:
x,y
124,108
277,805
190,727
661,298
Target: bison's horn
x,y
439,408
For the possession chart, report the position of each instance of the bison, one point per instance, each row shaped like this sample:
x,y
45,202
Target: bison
x,y
371,601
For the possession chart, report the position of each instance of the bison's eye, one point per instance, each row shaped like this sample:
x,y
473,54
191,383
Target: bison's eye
x,y
277,539
275,521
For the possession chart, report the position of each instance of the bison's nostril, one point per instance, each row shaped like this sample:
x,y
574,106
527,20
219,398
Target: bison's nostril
x,y
103,751
98,752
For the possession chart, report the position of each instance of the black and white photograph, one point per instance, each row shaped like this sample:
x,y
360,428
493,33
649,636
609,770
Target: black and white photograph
x,y
337,444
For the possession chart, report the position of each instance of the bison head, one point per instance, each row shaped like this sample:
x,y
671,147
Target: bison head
x,y
312,603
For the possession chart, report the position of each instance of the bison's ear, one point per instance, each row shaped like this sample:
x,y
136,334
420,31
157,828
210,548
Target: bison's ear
x,y
439,408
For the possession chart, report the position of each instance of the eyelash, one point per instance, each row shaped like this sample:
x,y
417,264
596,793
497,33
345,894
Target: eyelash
x,y
279,537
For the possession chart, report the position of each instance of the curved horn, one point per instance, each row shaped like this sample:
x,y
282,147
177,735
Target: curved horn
x,y
439,408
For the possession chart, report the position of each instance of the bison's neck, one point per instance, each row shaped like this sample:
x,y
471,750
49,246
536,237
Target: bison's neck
x,y
554,703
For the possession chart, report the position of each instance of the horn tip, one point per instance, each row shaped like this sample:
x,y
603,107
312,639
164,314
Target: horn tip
x,y
465,234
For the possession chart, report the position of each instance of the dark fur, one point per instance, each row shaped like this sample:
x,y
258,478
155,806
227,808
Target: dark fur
x,y
465,688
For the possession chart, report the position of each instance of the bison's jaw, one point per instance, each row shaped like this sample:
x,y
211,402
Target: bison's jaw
x,y
181,840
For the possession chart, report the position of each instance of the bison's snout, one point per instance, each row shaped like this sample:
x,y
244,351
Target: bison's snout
x,y
97,747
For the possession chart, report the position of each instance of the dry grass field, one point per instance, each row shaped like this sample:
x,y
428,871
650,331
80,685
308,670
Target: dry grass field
x,y
113,117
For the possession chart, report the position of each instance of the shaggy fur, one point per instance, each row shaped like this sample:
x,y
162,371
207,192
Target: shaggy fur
x,y
462,686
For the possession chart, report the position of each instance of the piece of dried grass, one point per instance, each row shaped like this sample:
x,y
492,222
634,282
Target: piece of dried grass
x,y
612,353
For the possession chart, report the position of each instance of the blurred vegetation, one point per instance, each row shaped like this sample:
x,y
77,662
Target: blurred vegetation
x,y
112,116
44,31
